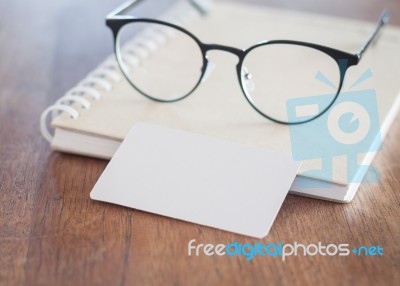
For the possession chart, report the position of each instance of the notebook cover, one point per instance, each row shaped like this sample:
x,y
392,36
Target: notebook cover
x,y
218,107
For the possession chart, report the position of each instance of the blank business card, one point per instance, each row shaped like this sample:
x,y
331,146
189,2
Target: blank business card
x,y
199,179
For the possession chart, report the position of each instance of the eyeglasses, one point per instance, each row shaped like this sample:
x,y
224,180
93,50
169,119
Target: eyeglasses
x,y
270,73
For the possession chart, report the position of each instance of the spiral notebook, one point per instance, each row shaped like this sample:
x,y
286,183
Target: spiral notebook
x,y
97,114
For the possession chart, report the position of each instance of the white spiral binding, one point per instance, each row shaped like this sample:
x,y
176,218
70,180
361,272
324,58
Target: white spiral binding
x,y
103,77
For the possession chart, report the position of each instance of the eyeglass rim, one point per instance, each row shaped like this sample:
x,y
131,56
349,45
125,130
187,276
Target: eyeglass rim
x,y
343,60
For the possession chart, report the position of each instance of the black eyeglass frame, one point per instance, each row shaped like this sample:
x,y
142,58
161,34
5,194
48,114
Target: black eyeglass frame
x,y
115,21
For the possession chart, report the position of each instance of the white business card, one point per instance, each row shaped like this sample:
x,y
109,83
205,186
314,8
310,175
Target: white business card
x,y
199,179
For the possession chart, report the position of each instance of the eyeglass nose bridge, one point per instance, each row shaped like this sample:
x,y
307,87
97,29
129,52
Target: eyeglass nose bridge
x,y
209,47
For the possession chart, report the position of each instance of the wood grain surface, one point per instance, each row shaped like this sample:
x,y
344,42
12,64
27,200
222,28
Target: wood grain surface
x,y
51,233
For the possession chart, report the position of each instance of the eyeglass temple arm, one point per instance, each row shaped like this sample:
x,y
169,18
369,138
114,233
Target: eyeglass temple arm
x,y
383,20
200,5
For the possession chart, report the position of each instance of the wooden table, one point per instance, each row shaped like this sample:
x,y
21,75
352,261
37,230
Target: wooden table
x,y
51,233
